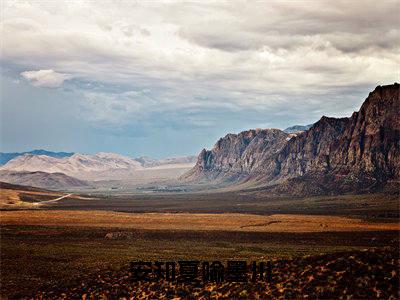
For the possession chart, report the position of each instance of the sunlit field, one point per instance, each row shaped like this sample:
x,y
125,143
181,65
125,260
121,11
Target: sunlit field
x,y
49,246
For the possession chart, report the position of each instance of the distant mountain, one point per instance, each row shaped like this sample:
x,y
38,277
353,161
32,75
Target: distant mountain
x,y
78,165
235,156
9,186
145,160
100,166
297,128
148,162
42,180
335,155
5,157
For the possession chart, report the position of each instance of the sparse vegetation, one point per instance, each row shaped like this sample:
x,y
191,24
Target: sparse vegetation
x,y
57,247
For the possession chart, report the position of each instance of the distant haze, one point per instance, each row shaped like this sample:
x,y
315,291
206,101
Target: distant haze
x,y
84,166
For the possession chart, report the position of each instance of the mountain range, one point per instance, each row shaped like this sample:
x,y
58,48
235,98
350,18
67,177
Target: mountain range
x,y
78,165
42,179
5,157
33,168
335,155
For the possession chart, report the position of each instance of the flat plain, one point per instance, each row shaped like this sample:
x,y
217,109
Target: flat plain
x,y
194,221
70,242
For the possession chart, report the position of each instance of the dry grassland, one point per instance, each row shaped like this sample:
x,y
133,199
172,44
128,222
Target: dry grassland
x,y
12,198
197,222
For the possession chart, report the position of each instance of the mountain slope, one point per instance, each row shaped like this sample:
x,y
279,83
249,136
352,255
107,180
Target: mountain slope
x,y
9,186
345,154
42,180
101,166
236,156
364,145
78,165
5,157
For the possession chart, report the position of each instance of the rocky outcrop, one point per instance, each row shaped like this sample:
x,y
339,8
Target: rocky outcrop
x,y
345,154
235,156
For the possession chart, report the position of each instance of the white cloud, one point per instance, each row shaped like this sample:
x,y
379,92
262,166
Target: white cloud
x,y
197,55
45,78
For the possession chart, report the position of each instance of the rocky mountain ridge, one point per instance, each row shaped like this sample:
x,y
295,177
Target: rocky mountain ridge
x,y
100,166
235,156
358,152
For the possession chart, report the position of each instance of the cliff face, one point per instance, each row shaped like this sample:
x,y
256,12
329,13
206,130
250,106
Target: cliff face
x,y
370,144
236,156
346,154
307,152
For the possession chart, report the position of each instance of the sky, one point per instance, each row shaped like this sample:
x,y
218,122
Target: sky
x,y
167,78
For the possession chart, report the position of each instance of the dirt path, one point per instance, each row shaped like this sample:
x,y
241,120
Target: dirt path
x,y
53,200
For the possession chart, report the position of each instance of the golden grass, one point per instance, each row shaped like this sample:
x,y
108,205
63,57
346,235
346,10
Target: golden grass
x,y
186,221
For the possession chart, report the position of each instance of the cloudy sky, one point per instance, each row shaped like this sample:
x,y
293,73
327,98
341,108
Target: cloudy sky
x,y
169,78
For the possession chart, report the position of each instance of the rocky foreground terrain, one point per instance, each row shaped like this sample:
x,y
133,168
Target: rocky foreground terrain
x,y
335,155
369,274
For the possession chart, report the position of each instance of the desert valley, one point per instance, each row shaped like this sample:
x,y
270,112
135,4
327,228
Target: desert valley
x,y
199,150
310,199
